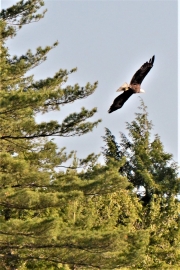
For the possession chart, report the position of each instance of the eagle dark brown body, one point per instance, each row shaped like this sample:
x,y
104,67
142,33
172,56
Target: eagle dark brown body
x,y
134,87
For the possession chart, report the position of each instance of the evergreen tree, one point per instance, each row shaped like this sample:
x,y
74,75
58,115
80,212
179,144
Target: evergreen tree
x,y
154,176
93,219
28,159
50,219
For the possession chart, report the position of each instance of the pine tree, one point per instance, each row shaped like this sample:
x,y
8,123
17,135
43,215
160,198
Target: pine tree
x,y
28,159
154,177
50,219
92,219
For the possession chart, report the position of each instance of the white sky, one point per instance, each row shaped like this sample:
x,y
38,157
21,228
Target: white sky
x,y
108,41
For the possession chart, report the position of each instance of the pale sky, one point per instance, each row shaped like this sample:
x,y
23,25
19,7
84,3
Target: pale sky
x,y
108,41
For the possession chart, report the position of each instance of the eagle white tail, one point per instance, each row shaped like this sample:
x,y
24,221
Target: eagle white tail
x,y
124,87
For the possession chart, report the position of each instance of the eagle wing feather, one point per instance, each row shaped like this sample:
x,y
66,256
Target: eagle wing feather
x,y
142,72
120,100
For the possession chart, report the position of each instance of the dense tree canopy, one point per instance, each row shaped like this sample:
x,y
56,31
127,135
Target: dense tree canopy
x,y
154,177
120,215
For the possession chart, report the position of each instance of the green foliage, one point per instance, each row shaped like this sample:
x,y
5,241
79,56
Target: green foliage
x,y
23,12
22,97
93,218
154,176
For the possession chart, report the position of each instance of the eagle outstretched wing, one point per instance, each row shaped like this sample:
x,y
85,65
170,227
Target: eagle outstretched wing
x,y
120,100
142,72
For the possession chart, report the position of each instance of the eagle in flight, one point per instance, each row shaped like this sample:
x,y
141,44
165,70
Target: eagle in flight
x,y
134,86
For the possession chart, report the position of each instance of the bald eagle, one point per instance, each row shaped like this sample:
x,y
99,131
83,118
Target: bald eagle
x,y
133,87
